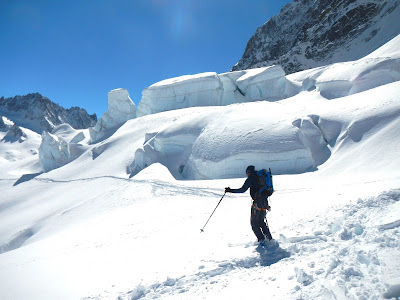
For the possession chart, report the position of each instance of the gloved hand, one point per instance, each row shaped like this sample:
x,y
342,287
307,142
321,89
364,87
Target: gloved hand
x,y
228,190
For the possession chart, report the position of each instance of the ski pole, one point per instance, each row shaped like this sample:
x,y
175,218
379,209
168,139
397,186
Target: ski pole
x,y
202,230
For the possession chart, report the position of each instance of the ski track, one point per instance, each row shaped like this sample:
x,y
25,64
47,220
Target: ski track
x,y
348,262
157,184
157,188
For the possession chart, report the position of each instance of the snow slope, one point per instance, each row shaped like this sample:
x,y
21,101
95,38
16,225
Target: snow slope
x,y
118,221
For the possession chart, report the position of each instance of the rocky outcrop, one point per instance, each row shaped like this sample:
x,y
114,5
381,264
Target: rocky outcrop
x,y
14,134
3,126
313,33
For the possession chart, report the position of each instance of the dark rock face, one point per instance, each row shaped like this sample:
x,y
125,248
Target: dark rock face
x,y
2,124
38,113
309,33
14,134
16,131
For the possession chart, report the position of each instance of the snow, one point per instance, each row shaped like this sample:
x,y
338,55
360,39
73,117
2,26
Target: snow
x,y
122,219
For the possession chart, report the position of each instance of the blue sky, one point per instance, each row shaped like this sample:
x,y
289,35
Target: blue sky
x,y
74,52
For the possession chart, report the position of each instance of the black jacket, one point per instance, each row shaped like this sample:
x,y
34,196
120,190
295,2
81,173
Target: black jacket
x,y
252,183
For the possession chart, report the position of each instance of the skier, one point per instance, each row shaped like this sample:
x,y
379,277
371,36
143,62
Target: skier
x,y
259,206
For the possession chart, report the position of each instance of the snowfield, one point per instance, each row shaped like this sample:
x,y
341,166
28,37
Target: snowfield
x,y
120,217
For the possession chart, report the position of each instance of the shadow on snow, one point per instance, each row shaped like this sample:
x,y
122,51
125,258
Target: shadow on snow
x,y
26,177
269,257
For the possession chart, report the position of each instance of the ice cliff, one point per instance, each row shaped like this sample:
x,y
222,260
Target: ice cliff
x,y
120,109
212,89
55,151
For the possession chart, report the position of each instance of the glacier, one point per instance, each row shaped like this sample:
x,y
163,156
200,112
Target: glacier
x,y
289,141
197,144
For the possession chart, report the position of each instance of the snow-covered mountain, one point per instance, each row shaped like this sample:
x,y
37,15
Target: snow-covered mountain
x,y
113,219
311,33
38,113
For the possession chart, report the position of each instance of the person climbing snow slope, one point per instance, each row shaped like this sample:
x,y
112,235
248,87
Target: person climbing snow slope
x,y
259,206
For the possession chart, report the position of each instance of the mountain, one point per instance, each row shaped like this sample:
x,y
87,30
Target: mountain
x,y
38,113
312,33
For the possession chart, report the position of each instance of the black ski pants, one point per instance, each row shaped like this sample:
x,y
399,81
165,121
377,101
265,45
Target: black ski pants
x,y
257,221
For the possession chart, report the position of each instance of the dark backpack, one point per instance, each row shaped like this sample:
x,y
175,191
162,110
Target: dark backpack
x,y
265,181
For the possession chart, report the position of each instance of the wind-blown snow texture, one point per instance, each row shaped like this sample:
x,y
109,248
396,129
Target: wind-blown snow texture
x,y
116,222
308,33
